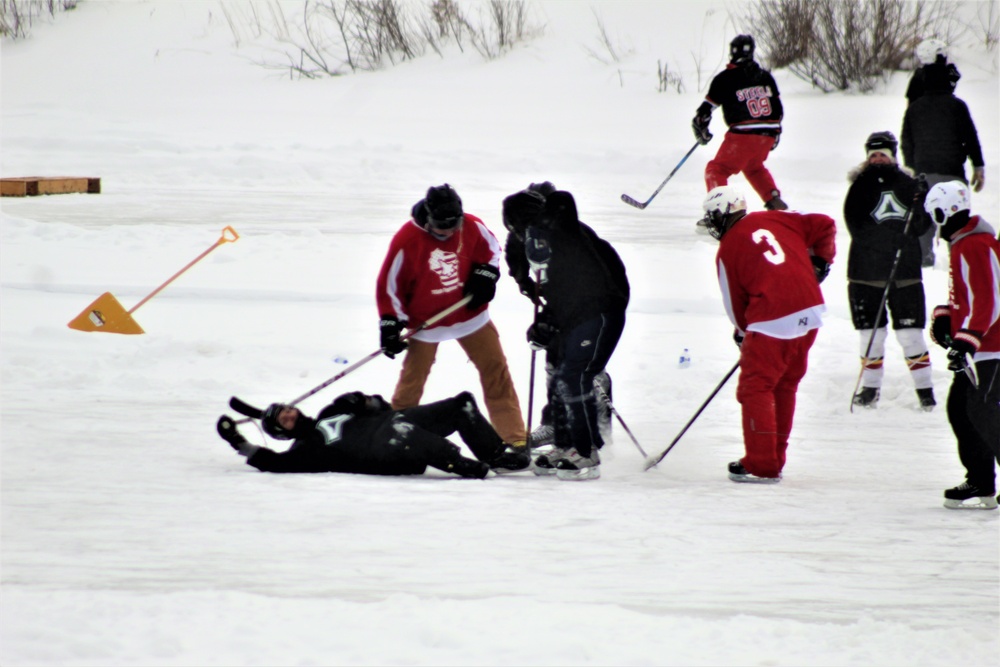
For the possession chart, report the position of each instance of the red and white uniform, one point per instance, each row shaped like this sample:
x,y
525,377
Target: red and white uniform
x,y
771,294
974,286
423,275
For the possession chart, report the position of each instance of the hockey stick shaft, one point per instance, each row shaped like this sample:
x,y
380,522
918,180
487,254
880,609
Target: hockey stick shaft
x,y
434,319
641,205
621,421
651,462
534,353
885,297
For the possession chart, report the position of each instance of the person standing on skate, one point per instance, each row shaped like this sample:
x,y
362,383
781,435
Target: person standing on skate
x,y
751,107
770,264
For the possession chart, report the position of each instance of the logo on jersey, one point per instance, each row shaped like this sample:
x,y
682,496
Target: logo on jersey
x,y
888,208
445,265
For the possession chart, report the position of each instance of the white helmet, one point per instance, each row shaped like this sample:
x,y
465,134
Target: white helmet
x,y
945,200
928,50
723,206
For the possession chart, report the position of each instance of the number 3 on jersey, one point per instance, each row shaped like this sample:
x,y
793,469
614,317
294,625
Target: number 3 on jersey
x,y
772,252
332,427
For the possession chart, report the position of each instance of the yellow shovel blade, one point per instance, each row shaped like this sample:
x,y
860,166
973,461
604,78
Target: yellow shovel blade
x,y
106,315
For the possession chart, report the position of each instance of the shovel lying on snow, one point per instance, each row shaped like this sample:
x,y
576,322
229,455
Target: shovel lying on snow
x,y
108,315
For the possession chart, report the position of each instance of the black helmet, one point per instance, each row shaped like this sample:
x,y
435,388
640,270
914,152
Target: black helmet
x,y
884,140
269,421
741,49
521,210
444,207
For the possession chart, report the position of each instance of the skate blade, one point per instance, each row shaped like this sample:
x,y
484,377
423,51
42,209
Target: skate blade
x,y
976,503
753,479
580,475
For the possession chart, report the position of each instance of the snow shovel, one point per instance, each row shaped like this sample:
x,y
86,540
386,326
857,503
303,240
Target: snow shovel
x,y
108,315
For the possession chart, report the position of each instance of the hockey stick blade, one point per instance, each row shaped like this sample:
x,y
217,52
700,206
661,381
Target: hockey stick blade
x,y
632,202
245,409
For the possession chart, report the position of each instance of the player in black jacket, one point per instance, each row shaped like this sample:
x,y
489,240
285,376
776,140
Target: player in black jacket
x,y
358,433
751,107
938,137
583,284
878,202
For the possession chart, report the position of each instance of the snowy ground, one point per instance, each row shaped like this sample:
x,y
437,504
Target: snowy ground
x,y
132,535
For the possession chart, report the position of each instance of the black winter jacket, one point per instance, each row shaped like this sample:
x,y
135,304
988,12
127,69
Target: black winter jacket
x,y
586,277
875,211
938,133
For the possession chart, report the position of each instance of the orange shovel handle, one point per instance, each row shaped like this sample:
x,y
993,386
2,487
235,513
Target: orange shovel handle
x,y
225,238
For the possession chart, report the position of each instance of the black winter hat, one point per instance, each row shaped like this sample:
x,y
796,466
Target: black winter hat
x,y
444,207
881,141
270,422
522,209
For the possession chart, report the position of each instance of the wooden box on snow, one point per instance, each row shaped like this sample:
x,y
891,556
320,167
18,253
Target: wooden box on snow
x,y
47,185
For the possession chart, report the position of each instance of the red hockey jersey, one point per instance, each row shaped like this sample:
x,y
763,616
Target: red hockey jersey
x,y
423,275
767,279
974,285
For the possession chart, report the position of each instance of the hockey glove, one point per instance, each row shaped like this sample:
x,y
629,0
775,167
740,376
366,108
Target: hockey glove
x,y
538,251
227,431
700,127
923,187
965,343
978,178
821,267
481,284
540,335
738,338
941,326
389,330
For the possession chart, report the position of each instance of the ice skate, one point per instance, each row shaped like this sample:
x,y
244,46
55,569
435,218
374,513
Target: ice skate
x,y
545,463
926,399
965,496
510,459
573,466
738,473
544,434
867,397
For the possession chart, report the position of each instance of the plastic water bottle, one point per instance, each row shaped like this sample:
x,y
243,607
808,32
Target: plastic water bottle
x,y
340,360
685,360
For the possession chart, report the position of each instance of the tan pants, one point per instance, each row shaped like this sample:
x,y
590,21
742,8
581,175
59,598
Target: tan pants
x,y
484,351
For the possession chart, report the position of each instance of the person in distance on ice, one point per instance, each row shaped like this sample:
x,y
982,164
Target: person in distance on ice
x,y
585,290
970,325
881,201
938,137
360,433
770,265
440,255
933,58
519,210
751,107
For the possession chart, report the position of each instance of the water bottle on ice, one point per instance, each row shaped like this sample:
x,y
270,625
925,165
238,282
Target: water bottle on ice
x,y
685,359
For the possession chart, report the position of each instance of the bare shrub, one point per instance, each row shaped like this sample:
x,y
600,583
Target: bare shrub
x,y
17,16
668,79
846,44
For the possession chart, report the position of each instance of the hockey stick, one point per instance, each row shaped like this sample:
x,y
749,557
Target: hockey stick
x,y
885,294
434,319
255,413
620,420
641,205
651,462
534,352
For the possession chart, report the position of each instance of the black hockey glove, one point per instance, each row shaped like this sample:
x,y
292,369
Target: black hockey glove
x,y
541,334
941,326
923,187
964,343
227,431
821,267
700,127
389,330
738,338
481,284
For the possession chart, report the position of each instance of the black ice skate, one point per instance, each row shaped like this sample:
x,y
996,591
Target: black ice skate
x,y
738,473
510,459
926,398
965,496
867,397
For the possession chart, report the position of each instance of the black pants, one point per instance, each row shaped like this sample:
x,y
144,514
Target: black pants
x,y
975,419
577,357
433,422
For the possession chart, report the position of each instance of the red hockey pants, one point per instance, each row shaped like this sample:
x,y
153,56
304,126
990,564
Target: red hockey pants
x,y
742,153
770,372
